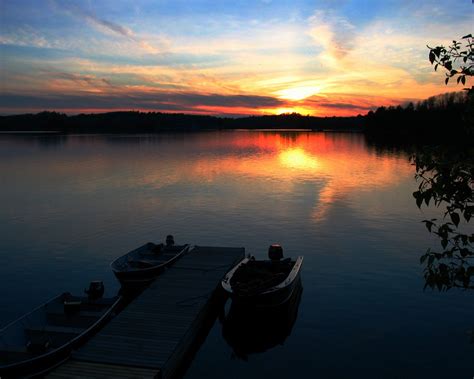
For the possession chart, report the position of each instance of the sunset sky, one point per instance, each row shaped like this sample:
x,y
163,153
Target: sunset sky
x,y
223,57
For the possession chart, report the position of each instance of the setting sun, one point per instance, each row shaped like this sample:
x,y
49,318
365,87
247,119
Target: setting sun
x,y
298,93
300,110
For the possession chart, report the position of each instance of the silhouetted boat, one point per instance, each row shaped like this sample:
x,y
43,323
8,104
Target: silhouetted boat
x,y
141,266
43,338
263,283
250,330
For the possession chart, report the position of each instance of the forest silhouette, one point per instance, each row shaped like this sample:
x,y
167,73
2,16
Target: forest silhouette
x,y
444,116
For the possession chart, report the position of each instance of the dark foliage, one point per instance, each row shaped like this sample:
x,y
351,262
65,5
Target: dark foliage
x,y
438,118
139,122
457,59
446,176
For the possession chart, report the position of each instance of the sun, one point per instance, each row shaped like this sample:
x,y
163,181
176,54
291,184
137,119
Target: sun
x,y
300,110
298,93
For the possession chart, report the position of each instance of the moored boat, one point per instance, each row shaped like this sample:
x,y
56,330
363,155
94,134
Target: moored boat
x,y
263,282
142,265
46,336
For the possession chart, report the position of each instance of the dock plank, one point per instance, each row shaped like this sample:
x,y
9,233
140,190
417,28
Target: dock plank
x,y
89,370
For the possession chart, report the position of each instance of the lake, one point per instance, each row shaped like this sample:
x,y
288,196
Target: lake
x,y
71,204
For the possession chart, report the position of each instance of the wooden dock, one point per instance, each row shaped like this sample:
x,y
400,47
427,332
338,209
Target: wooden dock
x,y
158,331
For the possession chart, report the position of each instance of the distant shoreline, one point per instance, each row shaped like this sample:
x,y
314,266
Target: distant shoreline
x,y
443,119
29,132
138,122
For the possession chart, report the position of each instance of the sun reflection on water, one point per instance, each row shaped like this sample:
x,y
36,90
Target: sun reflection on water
x,y
297,158
329,169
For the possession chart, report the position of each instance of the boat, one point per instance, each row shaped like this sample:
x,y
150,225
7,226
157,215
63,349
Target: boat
x,y
263,282
141,266
45,337
249,330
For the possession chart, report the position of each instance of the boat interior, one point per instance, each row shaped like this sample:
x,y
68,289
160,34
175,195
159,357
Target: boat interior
x,y
260,275
147,256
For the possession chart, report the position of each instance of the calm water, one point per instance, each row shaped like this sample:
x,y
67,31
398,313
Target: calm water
x,y
69,205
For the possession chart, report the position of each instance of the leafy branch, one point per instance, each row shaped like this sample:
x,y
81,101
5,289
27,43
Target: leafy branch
x,y
447,179
457,59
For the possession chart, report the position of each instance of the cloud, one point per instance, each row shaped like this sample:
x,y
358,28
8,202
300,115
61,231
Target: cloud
x,y
26,36
106,26
347,103
334,33
73,9
91,80
152,101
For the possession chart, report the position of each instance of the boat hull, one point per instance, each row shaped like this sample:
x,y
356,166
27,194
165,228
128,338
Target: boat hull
x,y
138,278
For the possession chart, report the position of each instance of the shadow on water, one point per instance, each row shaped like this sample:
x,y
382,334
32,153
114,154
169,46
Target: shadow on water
x,y
250,330
444,173
42,140
446,183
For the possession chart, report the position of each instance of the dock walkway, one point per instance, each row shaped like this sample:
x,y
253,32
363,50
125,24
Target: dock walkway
x,y
152,336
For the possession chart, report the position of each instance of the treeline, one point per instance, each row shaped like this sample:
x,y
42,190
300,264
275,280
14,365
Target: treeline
x,y
152,122
446,116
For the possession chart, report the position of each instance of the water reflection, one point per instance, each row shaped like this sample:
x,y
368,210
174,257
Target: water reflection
x,y
346,207
250,330
336,167
297,158
306,174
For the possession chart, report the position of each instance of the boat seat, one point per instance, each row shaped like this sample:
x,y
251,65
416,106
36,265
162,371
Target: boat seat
x,y
56,329
84,313
78,320
141,263
167,255
151,262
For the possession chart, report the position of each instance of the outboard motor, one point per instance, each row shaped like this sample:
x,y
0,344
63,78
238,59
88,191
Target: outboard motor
x,y
169,240
275,252
96,290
